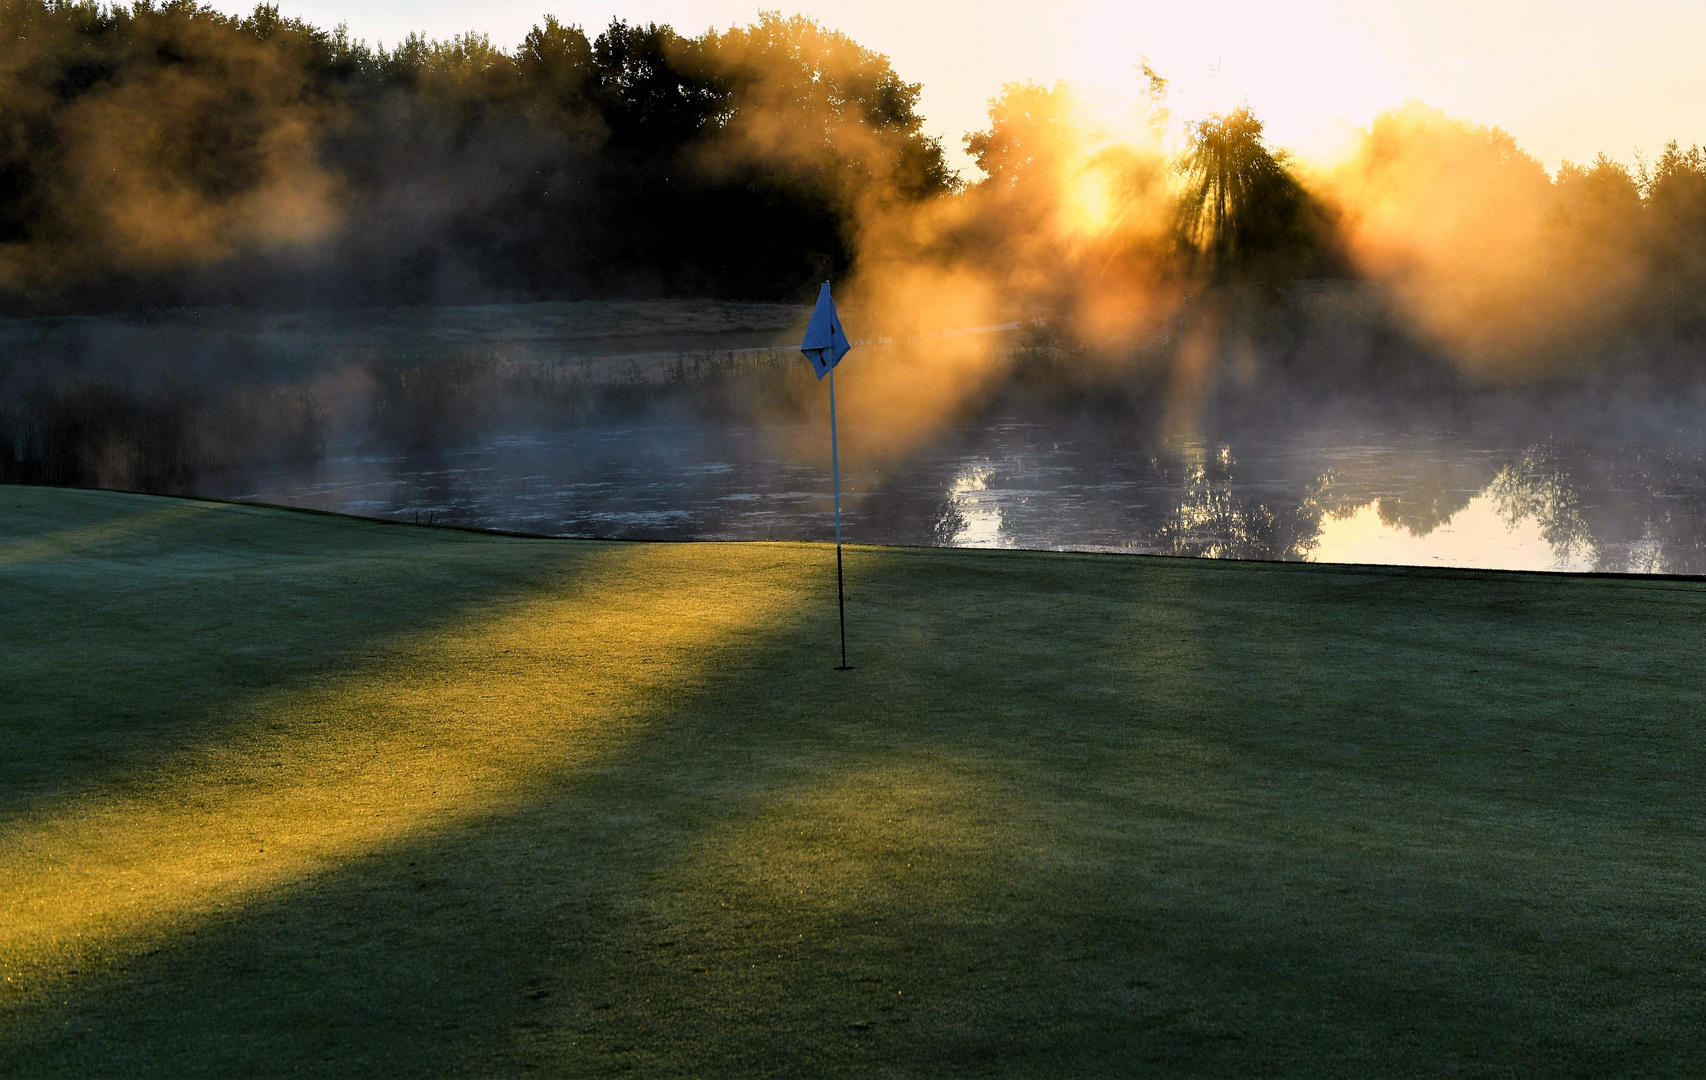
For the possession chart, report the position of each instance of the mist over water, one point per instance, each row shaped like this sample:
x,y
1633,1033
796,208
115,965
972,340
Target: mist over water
x,y
611,420
1536,497
697,420
1432,351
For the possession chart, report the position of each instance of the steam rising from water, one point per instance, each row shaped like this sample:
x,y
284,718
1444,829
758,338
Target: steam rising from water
x,y
1574,488
1515,275
160,167
1193,309
409,420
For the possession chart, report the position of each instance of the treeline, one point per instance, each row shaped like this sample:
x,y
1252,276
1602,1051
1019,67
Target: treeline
x,y
166,154
1449,228
162,155
1501,261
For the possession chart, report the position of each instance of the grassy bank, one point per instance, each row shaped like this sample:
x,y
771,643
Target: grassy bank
x,y
283,792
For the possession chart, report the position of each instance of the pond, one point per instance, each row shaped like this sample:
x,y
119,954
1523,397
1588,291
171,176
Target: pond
x,y
1612,488
699,420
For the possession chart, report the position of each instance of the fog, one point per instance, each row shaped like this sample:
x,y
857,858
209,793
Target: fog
x,y
555,288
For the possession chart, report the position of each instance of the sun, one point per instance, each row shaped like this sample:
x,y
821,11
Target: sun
x,y
1310,75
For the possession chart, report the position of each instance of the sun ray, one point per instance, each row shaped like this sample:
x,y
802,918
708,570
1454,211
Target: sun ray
x,y
454,727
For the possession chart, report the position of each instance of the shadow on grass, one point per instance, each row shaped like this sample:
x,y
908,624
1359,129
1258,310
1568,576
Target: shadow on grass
x,y
129,620
1068,816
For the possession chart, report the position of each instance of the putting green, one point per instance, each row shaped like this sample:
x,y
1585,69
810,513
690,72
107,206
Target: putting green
x,y
288,792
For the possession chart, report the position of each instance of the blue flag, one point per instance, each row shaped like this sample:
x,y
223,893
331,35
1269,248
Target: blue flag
x,y
826,342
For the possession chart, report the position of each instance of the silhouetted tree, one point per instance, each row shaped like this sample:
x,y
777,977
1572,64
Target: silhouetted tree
x,y
168,154
1030,128
1675,190
1242,212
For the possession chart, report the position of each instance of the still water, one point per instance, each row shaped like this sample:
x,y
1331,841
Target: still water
x,y
1613,488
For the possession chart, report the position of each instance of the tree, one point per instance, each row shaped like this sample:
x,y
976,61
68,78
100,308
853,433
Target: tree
x,y
1031,129
143,146
1675,189
1242,211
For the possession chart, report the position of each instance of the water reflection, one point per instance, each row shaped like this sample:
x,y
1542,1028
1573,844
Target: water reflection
x,y
623,420
1220,517
1465,491
973,515
1480,534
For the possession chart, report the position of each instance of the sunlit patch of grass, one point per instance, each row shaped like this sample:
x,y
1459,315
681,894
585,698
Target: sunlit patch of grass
x,y
80,537
819,912
868,838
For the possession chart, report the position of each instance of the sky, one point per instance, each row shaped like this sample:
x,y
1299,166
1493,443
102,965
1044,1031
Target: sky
x,y
1568,78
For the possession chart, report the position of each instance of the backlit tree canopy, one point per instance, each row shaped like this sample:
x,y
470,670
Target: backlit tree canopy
x,y
1241,211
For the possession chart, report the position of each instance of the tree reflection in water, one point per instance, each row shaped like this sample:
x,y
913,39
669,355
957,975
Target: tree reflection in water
x,y
1218,518
1625,498
1490,483
1632,508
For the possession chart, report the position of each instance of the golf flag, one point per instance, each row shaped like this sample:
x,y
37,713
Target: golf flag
x,y
826,342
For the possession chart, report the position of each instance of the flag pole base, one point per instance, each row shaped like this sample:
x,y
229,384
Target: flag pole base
x,y
845,667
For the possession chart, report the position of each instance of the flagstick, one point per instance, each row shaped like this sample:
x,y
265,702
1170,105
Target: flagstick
x,y
835,471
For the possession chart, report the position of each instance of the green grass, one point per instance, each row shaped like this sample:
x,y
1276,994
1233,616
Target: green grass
x,y
291,793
